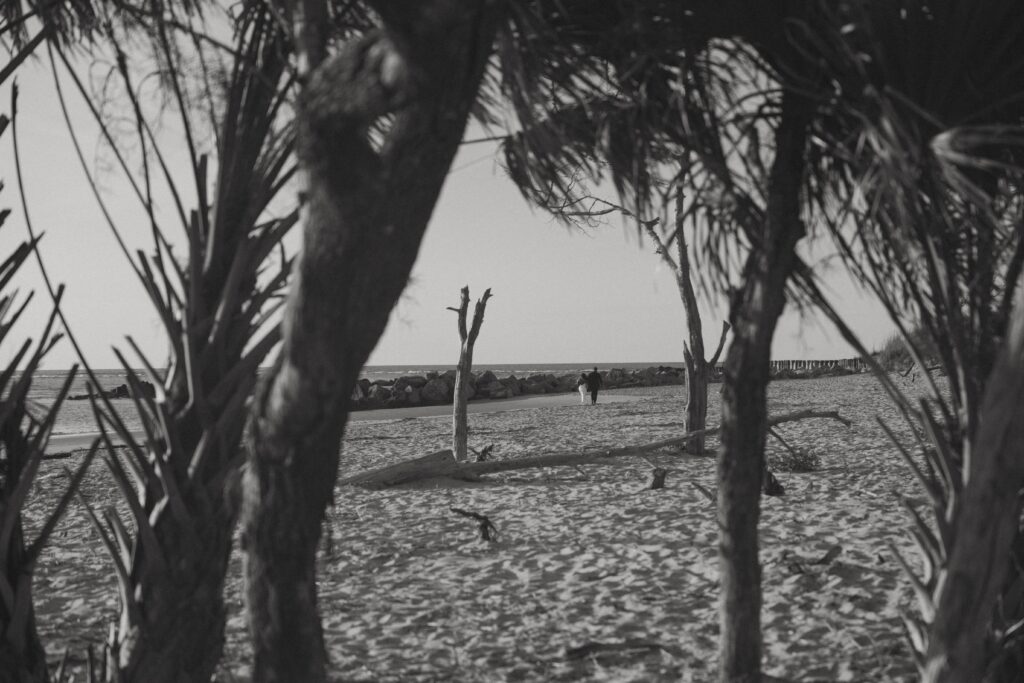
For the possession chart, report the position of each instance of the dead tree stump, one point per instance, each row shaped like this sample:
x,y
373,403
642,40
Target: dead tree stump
x,y
658,475
468,334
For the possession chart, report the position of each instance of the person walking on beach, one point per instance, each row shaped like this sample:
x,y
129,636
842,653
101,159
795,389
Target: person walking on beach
x,y
581,386
594,384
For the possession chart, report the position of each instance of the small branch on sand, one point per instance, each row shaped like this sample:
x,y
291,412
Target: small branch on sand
x,y
483,453
705,492
443,464
596,648
488,532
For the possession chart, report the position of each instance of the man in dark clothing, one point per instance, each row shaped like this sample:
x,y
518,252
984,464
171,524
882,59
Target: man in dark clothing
x,y
593,384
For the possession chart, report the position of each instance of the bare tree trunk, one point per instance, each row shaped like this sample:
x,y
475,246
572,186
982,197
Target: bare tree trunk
x,y
755,311
698,370
987,524
460,421
365,209
693,350
696,400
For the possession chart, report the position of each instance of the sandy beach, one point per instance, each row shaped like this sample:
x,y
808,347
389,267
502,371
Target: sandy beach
x,y
592,577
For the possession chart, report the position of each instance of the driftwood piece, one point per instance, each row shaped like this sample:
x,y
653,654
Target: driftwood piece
x,y
597,648
658,475
483,453
488,532
770,485
443,463
424,467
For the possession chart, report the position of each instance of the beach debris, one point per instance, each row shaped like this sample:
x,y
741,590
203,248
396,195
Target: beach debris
x,y
596,648
705,492
798,459
488,532
444,465
830,555
770,485
483,453
792,562
658,475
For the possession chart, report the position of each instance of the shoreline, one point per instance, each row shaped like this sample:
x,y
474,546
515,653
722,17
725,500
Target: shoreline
x,y
62,444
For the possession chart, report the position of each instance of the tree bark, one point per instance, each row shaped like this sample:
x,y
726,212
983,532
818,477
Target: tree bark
x,y
365,207
693,350
698,369
755,311
987,524
460,420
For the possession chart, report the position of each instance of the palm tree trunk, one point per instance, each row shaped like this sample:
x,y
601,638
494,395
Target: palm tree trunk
x,y
987,524
755,311
365,210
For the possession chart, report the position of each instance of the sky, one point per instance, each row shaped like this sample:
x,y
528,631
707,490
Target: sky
x,y
560,295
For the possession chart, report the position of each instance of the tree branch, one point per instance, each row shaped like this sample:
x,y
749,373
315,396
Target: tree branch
x,y
478,315
462,310
663,248
721,344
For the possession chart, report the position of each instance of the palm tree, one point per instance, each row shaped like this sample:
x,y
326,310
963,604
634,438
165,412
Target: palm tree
x,y
378,122
217,310
23,438
670,90
922,153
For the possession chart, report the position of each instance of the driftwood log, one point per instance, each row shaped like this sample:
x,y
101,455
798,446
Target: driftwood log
x,y
443,464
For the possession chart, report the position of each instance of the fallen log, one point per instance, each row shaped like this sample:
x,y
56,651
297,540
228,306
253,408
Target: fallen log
x,y
442,464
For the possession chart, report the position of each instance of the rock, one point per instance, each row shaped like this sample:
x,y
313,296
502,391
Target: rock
x,y
511,385
436,391
617,376
397,400
379,393
411,381
493,389
534,387
546,380
566,383
486,378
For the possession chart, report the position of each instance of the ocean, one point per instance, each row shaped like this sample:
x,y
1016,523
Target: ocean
x,y
76,416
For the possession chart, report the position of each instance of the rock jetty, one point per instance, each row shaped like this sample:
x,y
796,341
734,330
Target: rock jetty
x,y
438,388
120,391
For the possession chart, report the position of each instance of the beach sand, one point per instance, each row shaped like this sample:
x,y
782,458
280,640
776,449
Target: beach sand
x,y
592,577
60,444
